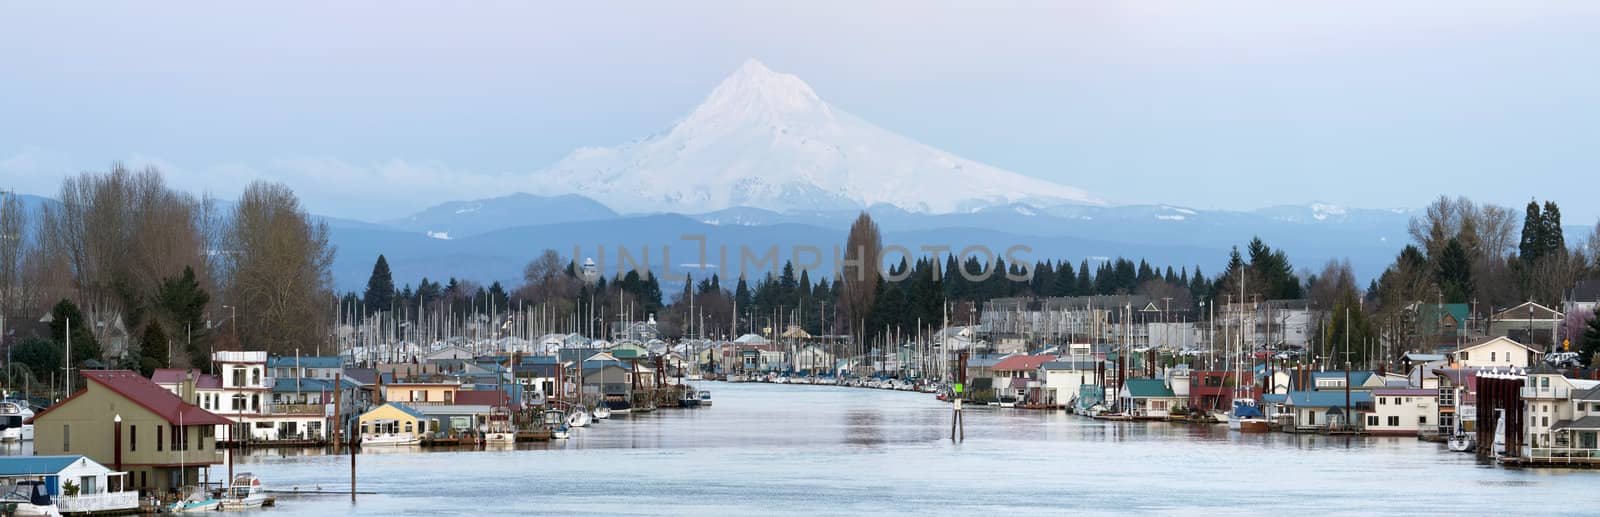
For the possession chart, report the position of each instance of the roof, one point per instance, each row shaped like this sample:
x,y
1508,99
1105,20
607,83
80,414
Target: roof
x,y
1588,423
1520,313
175,376
1023,362
1357,378
282,385
403,409
1489,341
1149,388
1424,358
35,465
481,397
139,390
305,362
1590,394
454,409
1070,364
361,375
1328,398
1405,392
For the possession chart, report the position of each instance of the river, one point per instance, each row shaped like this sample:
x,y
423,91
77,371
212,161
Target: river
x,y
788,449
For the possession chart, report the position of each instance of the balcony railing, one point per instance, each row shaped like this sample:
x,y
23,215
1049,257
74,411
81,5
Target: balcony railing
x,y
1532,392
299,409
95,503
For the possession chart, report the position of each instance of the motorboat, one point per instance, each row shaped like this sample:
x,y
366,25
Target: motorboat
x,y
13,418
1008,402
705,398
1246,417
195,500
602,411
29,498
688,400
499,429
244,493
617,405
556,421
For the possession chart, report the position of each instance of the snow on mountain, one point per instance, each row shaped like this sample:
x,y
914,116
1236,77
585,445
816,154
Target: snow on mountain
x,y
765,140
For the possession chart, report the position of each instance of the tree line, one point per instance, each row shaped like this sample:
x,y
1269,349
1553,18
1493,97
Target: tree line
x,y
143,273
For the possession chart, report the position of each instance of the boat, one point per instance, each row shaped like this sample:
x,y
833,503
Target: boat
x,y
29,498
705,398
499,429
1008,402
602,411
578,418
1246,417
617,404
196,500
1462,442
244,493
556,421
688,400
13,418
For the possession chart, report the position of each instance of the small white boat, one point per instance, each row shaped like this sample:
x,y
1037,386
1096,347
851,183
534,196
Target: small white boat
x,y
12,418
196,500
499,429
244,493
1462,442
561,433
30,498
705,398
601,411
578,418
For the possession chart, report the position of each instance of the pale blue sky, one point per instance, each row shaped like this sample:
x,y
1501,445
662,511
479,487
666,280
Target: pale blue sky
x,y
373,110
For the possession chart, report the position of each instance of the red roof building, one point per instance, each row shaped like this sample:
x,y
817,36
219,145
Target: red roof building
x,y
147,394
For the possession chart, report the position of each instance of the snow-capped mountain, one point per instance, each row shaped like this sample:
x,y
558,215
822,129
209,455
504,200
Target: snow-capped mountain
x,y
765,140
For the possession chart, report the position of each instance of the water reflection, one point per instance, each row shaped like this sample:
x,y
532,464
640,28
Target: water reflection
x,y
765,449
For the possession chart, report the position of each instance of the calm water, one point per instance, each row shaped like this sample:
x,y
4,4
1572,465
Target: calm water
x,y
770,449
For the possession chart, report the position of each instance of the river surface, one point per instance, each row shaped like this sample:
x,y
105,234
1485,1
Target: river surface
x,y
787,449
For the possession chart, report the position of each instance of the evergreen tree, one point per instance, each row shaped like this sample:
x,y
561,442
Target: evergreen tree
x,y
1085,286
1453,272
183,303
84,345
1555,244
1589,347
1533,244
380,287
1066,282
153,351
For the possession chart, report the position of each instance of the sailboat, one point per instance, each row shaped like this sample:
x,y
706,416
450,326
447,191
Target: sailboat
x,y
1245,416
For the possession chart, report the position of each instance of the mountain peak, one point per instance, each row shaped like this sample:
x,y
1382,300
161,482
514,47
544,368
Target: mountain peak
x,y
764,139
753,90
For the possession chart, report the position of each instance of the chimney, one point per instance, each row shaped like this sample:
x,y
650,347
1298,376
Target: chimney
x,y
186,389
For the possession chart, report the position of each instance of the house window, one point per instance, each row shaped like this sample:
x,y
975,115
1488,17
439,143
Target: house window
x,y
1382,401
133,438
1491,356
1422,419
66,437
1372,420
1463,356
1394,421
255,376
238,377
160,434
1544,421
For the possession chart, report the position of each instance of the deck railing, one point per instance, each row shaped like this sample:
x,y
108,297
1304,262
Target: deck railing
x,y
299,409
1562,453
94,503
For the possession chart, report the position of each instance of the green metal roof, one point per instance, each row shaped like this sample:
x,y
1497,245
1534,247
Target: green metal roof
x,y
1149,388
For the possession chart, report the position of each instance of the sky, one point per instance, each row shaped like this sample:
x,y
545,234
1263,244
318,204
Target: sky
x,y
373,110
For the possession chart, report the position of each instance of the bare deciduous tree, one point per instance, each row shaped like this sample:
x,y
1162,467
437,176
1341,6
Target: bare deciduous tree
x,y
277,262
